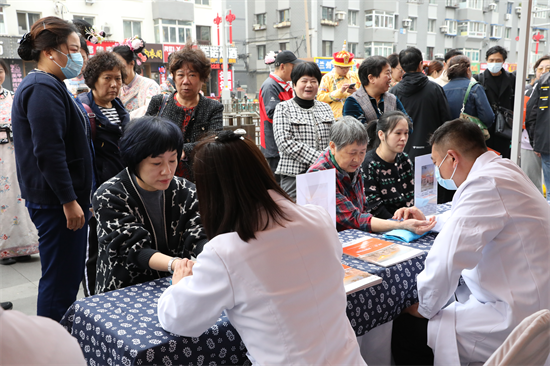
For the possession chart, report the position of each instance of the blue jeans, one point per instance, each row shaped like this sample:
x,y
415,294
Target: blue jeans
x,y
62,256
545,159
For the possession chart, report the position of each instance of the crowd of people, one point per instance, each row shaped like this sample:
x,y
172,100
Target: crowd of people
x,y
128,182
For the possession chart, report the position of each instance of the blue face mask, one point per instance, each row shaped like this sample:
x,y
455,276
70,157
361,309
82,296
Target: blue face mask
x,y
494,67
446,183
74,64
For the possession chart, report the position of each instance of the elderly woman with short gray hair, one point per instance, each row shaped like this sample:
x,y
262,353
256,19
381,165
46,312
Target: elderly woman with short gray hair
x,y
346,151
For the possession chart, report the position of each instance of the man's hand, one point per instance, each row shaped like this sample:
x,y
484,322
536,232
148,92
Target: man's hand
x,y
537,154
74,214
351,90
344,88
413,310
406,213
419,227
182,268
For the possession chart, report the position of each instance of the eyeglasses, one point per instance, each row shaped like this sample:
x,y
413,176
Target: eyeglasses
x,y
543,68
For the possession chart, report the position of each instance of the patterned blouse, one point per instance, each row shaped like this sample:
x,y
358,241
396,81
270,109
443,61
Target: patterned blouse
x,y
138,93
388,186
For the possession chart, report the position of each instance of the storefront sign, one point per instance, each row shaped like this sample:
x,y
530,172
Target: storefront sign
x,y
215,53
153,51
229,81
167,49
324,63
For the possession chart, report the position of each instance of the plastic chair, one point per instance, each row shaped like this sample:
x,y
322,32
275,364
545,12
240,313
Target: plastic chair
x,y
527,345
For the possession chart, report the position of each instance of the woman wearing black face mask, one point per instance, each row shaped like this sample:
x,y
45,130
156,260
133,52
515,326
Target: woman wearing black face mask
x,y
54,159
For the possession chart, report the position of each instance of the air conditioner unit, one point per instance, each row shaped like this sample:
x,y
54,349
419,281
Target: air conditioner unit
x,y
340,15
492,6
89,1
256,26
407,23
439,55
444,29
507,16
518,10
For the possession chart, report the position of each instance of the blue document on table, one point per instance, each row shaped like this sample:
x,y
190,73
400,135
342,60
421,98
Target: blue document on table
x,y
402,235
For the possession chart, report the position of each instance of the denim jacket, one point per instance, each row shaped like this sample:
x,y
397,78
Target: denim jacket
x,y
477,104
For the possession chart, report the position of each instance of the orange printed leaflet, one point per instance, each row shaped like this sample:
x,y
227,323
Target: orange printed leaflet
x,y
380,252
355,279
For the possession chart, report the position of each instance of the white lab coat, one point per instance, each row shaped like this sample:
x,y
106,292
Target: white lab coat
x,y
497,236
34,340
283,292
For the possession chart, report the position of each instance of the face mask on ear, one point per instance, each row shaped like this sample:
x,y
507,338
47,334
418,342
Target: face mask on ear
x,y
446,183
74,64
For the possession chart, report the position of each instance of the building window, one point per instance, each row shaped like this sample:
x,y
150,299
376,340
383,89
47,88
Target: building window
x,y
172,31
431,25
86,19
352,47
472,54
432,2
509,8
327,48
25,21
282,46
352,17
429,53
472,29
202,2
203,35
451,26
261,18
131,28
471,4
379,19
2,21
327,14
508,32
496,31
261,51
284,15
413,27
378,49
540,12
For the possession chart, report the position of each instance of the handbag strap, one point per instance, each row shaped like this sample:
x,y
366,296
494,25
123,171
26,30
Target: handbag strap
x,y
472,83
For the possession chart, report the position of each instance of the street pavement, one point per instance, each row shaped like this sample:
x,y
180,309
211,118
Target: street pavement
x,y
19,284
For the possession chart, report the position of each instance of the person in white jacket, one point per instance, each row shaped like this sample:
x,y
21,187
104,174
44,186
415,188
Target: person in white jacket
x,y
496,236
273,266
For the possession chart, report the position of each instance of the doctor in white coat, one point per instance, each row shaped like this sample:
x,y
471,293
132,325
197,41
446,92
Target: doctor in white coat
x,y
271,265
497,236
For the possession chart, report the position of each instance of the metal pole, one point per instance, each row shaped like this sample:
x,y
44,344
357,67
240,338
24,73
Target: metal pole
x,y
308,46
524,37
226,93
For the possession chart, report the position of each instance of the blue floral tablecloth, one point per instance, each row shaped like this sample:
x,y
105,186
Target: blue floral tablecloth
x,y
121,327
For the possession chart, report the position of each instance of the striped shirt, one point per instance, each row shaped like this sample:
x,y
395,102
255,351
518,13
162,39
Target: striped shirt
x,y
111,114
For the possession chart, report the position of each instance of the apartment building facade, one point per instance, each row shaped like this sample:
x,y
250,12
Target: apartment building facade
x,y
379,27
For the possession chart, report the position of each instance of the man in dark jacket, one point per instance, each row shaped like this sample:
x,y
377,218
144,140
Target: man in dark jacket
x,y
537,123
499,86
425,102
275,89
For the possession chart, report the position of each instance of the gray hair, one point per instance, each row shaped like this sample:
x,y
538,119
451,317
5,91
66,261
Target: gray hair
x,y
347,130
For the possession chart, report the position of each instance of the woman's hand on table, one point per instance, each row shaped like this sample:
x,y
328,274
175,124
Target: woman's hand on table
x,y
413,310
406,213
182,268
419,227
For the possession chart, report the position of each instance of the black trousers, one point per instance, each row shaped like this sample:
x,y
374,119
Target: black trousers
x,y
409,341
88,282
273,163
